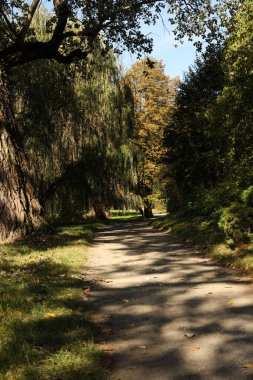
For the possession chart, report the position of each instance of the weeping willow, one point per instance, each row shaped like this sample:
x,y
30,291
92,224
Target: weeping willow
x,y
76,123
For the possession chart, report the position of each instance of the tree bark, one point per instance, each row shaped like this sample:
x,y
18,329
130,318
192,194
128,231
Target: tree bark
x,y
148,213
100,212
20,210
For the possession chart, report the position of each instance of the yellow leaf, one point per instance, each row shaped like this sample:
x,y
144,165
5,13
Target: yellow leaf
x,y
108,349
193,348
250,365
230,302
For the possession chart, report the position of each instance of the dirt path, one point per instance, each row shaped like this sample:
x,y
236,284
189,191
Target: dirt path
x,y
173,314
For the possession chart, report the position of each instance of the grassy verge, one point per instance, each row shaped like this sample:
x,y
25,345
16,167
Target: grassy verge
x,y
46,331
120,215
205,234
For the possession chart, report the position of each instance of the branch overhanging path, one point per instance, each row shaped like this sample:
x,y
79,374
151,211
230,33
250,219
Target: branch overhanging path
x,y
169,313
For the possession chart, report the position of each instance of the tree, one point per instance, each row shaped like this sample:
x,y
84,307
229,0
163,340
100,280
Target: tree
x,y
209,138
194,150
72,37
76,139
233,110
154,94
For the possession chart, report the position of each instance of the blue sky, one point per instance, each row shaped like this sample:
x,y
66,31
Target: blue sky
x,y
176,59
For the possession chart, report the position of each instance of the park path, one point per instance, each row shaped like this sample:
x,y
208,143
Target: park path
x,y
169,313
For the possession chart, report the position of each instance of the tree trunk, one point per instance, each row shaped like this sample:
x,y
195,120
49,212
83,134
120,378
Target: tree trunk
x,y
100,212
148,213
20,211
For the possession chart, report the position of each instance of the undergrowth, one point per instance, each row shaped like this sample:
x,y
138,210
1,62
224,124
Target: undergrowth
x,y
206,235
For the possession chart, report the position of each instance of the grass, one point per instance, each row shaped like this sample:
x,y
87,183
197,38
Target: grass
x,y
46,329
205,234
124,215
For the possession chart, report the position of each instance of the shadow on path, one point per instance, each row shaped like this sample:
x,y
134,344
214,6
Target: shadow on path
x,y
173,314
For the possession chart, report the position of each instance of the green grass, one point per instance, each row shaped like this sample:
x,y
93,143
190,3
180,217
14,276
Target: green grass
x,y
122,215
129,215
46,329
205,235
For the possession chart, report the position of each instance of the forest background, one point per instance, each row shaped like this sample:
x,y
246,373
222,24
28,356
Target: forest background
x,y
90,136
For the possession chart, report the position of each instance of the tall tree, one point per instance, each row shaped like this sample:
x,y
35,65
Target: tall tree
x,y
76,140
154,94
194,150
75,27
233,111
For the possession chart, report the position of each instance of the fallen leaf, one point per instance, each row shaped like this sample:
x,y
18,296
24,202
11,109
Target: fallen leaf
x,y
85,298
108,349
250,365
230,302
142,347
189,335
126,301
193,348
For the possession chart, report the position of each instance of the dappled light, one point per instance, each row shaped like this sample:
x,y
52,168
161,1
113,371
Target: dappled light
x,y
160,166
46,327
173,314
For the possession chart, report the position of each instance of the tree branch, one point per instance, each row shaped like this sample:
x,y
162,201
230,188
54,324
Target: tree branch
x,y
31,51
62,12
77,53
24,30
8,23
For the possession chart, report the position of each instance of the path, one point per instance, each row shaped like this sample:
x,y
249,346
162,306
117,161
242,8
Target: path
x,y
155,294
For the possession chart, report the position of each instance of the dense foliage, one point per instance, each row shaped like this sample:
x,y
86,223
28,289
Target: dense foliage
x,y
75,123
74,32
154,94
209,140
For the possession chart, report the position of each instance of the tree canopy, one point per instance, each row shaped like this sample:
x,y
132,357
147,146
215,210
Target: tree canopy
x,y
73,32
154,94
76,25
209,138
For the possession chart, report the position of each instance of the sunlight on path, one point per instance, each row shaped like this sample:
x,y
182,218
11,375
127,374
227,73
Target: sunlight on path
x,y
172,314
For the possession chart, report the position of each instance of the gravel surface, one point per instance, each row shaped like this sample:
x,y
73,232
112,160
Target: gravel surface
x,y
167,312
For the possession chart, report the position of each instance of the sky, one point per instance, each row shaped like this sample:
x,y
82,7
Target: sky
x,y
176,59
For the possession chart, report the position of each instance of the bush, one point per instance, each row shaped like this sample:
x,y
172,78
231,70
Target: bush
x,y
237,219
232,222
247,197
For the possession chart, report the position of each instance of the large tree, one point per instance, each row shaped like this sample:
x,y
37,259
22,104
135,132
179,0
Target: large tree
x,y
194,149
154,94
75,27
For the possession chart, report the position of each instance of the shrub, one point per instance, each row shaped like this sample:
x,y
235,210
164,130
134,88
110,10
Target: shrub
x,y
237,219
247,197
